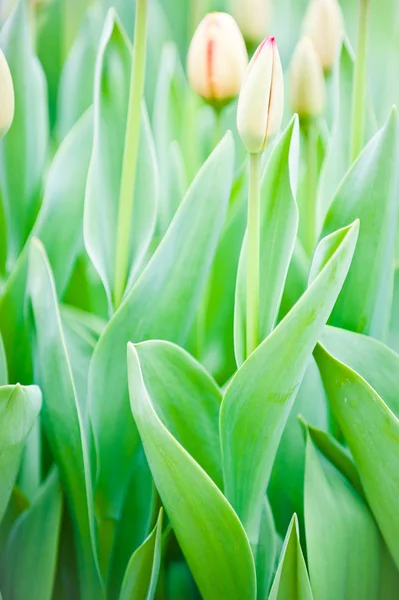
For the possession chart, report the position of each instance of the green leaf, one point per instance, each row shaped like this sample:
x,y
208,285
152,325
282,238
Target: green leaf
x,y
75,94
291,580
61,415
3,364
372,433
23,151
278,230
187,401
161,305
19,408
210,535
59,228
260,396
141,575
342,540
111,93
31,551
265,552
370,192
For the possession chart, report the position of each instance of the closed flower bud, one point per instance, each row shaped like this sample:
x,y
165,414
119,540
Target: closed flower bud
x,y
261,102
253,18
307,81
217,58
324,24
6,97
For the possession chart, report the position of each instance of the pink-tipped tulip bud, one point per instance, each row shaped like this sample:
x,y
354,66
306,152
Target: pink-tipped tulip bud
x,y
217,58
307,81
6,97
253,18
261,102
324,25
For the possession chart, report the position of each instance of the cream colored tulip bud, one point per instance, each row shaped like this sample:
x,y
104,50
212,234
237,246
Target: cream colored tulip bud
x,y
261,102
307,81
6,96
253,18
324,24
217,58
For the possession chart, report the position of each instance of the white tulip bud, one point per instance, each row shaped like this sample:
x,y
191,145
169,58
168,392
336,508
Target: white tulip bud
x,y
261,102
307,81
253,18
217,58
6,96
324,25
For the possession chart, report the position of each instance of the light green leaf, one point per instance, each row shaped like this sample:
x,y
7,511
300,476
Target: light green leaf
x,y
61,415
372,433
111,93
3,364
210,535
278,230
19,408
23,152
291,580
370,192
141,575
161,305
260,396
265,552
31,551
342,540
59,226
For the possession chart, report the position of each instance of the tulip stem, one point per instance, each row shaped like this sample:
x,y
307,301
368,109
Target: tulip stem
x,y
129,165
310,213
359,82
253,253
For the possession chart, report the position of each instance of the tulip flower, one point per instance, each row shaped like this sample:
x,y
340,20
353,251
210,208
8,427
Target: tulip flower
x,y
324,25
259,115
6,96
307,81
217,59
253,18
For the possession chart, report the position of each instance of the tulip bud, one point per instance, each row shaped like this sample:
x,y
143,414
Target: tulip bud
x,y
253,18
261,102
324,24
217,58
307,81
6,96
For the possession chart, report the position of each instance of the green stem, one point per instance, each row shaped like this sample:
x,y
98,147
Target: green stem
x,y
359,82
310,216
129,166
253,252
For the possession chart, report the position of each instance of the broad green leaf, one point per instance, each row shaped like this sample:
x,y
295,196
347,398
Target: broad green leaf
x,y
285,488
278,229
265,552
31,551
372,433
23,152
297,279
75,94
19,408
61,415
374,361
342,539
389,579
141,575
59,226
161,305
260,396
370,192
30,471
186,399
393,338
111,94
209,533
291,580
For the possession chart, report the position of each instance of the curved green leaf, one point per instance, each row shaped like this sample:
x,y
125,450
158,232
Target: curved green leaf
x,y
209,532
111,93
265,552
278,230
141,575
260,396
